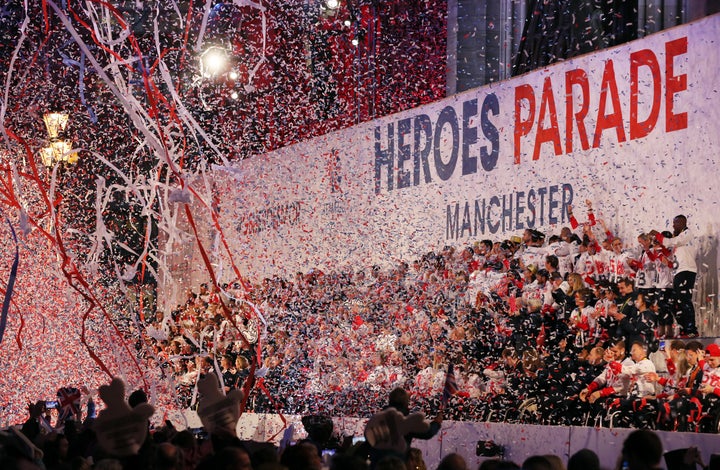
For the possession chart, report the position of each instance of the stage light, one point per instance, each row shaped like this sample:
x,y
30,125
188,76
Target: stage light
x,y
233,75
213,62
331,4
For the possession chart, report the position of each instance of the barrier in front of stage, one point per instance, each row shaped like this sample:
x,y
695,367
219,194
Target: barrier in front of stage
x,y
519,440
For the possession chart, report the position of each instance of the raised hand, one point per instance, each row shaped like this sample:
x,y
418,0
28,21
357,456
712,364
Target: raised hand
x,y
121,430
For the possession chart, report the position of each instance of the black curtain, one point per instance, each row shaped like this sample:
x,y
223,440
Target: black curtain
x,y
559,29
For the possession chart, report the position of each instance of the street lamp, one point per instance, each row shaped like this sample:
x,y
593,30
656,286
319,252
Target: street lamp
x,y
59,149
331,4
56,123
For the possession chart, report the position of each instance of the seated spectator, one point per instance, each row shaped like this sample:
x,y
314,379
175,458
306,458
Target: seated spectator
x,y
682,410
638,409
710,386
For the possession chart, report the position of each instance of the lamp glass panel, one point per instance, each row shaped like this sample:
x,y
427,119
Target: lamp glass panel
x,y
55,124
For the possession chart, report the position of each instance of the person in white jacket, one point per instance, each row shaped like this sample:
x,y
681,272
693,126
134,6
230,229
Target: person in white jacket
x,y
640,386
639,407
683,244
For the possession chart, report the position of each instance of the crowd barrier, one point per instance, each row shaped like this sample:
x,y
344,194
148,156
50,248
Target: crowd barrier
x,y
518,441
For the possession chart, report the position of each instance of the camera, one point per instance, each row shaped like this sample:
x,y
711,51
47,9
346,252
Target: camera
x,y
489,449
200,433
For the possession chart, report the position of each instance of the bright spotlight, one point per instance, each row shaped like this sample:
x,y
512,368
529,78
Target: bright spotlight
x,y
355,42
233,75
213,62
331,4
234,95
348,23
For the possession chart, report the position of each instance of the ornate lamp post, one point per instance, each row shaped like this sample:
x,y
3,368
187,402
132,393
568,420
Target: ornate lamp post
x,y
59,149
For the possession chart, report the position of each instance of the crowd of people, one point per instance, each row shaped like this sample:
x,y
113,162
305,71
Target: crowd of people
x,y
579,327
76,445
574,328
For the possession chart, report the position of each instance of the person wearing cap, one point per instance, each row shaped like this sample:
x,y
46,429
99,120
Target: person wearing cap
x,y
710,386
529,275
711,370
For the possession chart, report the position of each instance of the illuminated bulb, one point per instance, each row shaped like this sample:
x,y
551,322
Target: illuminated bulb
x,y
234,95
348,23
332,4
355,42
233,75
213,61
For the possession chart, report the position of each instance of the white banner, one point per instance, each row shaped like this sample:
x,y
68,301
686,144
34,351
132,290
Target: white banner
x,y
634,128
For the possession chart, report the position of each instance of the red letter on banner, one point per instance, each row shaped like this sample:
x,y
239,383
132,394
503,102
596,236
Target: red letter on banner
x,y
523,127
576,77
645,57
552,133
674,122
608,121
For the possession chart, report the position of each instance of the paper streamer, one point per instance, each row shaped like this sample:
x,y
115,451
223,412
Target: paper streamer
x,y
10,285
